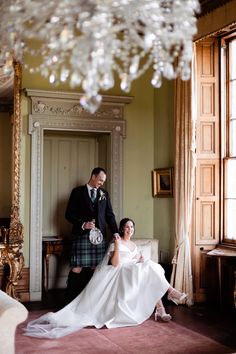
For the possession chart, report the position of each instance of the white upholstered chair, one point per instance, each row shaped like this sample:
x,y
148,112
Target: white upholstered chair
x,y
12,313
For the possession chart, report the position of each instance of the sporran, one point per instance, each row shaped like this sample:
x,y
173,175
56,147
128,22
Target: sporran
x,y
95,236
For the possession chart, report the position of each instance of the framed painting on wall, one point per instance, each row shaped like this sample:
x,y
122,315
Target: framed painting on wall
x,y
162,182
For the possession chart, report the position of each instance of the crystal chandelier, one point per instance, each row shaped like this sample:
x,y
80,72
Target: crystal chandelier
x,y
85,42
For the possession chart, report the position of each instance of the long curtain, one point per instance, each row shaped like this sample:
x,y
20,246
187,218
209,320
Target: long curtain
x,y
185,160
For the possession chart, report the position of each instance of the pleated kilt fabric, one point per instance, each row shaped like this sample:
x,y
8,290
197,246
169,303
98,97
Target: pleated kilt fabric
x,y
85,254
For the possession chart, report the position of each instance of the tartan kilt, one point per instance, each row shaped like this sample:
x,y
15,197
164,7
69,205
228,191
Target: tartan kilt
x,y
85,254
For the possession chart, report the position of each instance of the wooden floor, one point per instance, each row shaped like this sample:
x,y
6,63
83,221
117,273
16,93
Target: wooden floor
x,y
213,322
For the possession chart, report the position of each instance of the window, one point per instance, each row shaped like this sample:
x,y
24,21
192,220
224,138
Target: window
x,y
228,128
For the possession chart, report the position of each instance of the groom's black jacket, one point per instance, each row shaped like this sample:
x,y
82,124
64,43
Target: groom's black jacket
x,y
80,209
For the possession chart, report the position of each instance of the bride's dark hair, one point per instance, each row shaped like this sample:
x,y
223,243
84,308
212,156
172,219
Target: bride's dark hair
x,y
122,224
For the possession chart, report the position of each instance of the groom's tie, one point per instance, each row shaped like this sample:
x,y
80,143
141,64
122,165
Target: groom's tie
x,y
93,195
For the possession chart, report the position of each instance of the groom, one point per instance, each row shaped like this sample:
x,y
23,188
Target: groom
x,y
89,206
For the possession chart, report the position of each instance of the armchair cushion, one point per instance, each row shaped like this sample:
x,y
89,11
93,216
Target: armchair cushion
x,y
148,247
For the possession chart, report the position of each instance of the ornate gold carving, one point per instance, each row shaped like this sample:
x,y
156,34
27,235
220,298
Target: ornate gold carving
x,y
16,137
12,238
16,228
11,255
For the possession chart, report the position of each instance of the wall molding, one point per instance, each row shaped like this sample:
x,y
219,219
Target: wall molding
x,y
60,111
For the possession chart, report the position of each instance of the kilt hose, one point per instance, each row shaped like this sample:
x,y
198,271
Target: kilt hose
x,y
76,282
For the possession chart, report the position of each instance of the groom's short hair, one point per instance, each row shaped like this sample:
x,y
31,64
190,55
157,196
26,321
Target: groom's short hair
x,y
97,170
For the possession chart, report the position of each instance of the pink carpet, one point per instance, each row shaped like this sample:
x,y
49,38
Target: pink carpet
x,y
150,337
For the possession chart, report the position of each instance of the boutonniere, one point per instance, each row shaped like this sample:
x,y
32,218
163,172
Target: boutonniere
x,y
102,195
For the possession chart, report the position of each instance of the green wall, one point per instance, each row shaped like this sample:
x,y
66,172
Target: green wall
x,y
139,157
164,145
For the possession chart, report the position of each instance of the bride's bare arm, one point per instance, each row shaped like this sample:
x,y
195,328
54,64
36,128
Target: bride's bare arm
x,y
115,258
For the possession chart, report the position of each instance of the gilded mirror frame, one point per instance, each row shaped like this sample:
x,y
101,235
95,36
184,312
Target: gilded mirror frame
x,y
16,229
10,248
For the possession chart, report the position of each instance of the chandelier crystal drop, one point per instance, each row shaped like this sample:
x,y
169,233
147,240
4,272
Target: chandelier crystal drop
x,y
85,42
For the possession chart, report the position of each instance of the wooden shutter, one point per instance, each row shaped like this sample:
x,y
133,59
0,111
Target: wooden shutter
x,y
207,190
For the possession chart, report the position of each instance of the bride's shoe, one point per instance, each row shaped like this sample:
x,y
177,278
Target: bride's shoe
x,y
161,315
176,296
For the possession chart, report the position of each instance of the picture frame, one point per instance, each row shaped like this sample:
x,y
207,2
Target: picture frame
x,y
162,182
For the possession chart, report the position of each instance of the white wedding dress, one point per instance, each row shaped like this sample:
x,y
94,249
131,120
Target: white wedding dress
x,y
115,297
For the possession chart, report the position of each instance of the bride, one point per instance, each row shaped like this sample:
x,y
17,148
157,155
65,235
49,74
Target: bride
x,y
123,291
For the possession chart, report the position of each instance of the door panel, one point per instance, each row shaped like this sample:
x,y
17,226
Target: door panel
x,y
67,163
207,202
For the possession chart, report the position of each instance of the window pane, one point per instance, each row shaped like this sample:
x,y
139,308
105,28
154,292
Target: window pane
x,y
232,142
233,62
230,219
230,148
230,179
232,105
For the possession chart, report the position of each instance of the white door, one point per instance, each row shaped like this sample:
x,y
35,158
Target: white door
x,y
67,162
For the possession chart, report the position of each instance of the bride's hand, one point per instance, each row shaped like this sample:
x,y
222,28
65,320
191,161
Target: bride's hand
x,y
141,258
117,239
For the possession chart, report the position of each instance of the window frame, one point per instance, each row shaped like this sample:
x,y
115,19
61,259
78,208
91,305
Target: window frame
x,y
225,125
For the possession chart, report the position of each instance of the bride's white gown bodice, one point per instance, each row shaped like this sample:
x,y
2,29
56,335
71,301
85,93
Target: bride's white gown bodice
x,y
115,297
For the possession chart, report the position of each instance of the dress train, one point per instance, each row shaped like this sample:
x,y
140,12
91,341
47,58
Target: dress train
x,y
115,297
